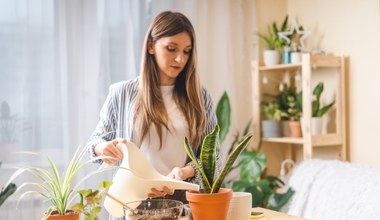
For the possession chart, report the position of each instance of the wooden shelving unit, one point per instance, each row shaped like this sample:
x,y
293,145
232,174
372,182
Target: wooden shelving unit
x,y
308,142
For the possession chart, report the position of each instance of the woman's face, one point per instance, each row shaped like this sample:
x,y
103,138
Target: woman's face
x,y
171,54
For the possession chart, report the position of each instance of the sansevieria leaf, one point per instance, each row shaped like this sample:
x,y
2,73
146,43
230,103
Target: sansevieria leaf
x,y
228,164
208,153
206,184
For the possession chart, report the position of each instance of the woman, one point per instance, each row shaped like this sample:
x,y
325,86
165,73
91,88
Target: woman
x,y
159,108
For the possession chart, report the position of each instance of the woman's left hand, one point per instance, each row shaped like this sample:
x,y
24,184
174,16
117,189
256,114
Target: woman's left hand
x,y
160,193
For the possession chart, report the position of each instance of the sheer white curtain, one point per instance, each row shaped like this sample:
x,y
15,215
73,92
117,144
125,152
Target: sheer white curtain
x,y
30,89
58,58
49,86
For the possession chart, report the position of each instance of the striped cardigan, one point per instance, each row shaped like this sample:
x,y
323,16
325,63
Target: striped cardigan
x,y
116,115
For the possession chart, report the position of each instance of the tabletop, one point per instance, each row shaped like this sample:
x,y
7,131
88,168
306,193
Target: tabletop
x,y
273,215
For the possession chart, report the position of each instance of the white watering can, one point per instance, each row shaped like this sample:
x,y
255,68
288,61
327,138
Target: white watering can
x,y
135,182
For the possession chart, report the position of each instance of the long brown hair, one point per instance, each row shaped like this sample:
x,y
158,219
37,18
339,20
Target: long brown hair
x,y
149,106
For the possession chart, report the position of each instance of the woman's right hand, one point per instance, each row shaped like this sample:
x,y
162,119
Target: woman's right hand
x,y
110,150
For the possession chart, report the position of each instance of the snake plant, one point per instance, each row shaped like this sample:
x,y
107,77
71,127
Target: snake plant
x,y
206,165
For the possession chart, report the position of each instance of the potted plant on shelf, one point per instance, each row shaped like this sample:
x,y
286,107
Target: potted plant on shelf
x,y
294,114
56,188
213,201
273,42
290,102
271,126
317,110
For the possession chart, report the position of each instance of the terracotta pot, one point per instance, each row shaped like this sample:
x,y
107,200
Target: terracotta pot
x,y
295,129
70,215
210,206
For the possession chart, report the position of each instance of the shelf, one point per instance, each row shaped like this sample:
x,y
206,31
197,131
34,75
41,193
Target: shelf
x,y
317,141
280,67
306,67
327,61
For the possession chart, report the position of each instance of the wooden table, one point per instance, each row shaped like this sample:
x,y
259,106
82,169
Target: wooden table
x,y
273,215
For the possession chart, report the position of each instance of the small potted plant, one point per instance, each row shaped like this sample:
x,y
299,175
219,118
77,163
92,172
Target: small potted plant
x,y
56,187
212,202
271,126
273,42
294,114
290,102
317,110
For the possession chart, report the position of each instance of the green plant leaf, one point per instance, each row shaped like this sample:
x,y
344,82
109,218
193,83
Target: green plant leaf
x,y
324,109
228,164
8,191
85,192
318,90
190,153
284,24
208,154
105,184
78,207
241,185
96,210
223,114
258,195
252,165
275,182
277,200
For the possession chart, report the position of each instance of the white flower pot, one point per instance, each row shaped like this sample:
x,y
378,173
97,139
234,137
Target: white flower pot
x,y
295,57
271,57
316,125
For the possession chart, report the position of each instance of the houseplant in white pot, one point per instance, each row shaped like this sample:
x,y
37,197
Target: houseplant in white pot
x,y
212,202
58,188
317,110
273,43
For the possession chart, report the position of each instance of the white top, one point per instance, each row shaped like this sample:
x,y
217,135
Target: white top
x,y
172,153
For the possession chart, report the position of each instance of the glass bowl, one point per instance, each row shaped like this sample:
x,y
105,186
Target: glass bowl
x,y
154,209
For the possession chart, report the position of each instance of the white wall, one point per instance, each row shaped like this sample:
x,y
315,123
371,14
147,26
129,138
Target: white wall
x,y
351,28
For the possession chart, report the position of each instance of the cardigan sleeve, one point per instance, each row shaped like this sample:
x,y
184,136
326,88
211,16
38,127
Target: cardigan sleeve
x,y
114,115
105,129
